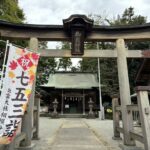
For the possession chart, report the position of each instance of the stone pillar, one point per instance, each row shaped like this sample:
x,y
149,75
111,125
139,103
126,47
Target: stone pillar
x,y
144,109
124,91
36,116
11,146
27,122
115,118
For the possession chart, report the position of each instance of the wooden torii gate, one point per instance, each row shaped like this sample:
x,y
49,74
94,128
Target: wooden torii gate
x,y
78,29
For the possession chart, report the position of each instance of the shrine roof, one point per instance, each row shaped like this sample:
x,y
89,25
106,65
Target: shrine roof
x,y
69,80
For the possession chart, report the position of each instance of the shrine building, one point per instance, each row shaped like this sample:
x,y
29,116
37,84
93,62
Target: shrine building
x,y
73,90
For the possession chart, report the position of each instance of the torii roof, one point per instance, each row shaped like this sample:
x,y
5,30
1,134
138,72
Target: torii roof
x,y
69,80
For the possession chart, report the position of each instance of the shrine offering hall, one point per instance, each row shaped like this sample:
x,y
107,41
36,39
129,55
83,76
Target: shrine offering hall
x,y
73,92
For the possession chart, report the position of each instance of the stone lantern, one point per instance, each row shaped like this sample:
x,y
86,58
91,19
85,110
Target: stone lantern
x,y
91,105
55,105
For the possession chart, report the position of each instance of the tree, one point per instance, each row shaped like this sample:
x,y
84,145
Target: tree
x,y
10,11
129,18
108,70
46,67
65,63
108,67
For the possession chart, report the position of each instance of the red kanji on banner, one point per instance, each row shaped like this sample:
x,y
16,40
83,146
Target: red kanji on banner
x,y
25,62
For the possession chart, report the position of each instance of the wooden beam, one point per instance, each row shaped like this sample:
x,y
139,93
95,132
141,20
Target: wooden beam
x,y
87,53
113,35
138,54
137,136
132,108
57,33
25,34
94,53
46,35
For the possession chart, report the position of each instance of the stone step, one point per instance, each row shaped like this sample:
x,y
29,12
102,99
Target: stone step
x,y
72,116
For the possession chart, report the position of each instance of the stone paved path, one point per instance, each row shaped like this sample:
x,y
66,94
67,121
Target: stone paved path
x,y
73,134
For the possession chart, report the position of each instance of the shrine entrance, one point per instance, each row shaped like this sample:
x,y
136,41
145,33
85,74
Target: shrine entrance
x,y
78,29
73,103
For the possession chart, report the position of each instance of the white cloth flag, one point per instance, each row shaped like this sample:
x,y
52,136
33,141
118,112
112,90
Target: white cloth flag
x,y
16,90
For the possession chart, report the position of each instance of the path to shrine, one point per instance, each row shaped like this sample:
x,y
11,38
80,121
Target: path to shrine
x,y
75,134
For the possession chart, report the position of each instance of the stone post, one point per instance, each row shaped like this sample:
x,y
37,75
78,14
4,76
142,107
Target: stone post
x,y
27,122
144,109
115,118
124,91
36,116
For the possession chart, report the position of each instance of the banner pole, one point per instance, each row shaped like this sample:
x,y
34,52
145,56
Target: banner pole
x,y
4,64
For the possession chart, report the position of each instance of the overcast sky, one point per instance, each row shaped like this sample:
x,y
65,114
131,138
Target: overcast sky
x,y
53,11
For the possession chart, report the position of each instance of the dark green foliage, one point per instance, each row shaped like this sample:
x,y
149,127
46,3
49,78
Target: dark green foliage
x,y
65,63
129,18
10,11
108,67
46,67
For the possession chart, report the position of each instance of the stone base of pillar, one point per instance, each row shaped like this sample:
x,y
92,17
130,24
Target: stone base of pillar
x,y
116,138
36,138
125,147
26,148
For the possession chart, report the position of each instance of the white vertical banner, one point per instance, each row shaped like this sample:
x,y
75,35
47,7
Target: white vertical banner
x,y
16,90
